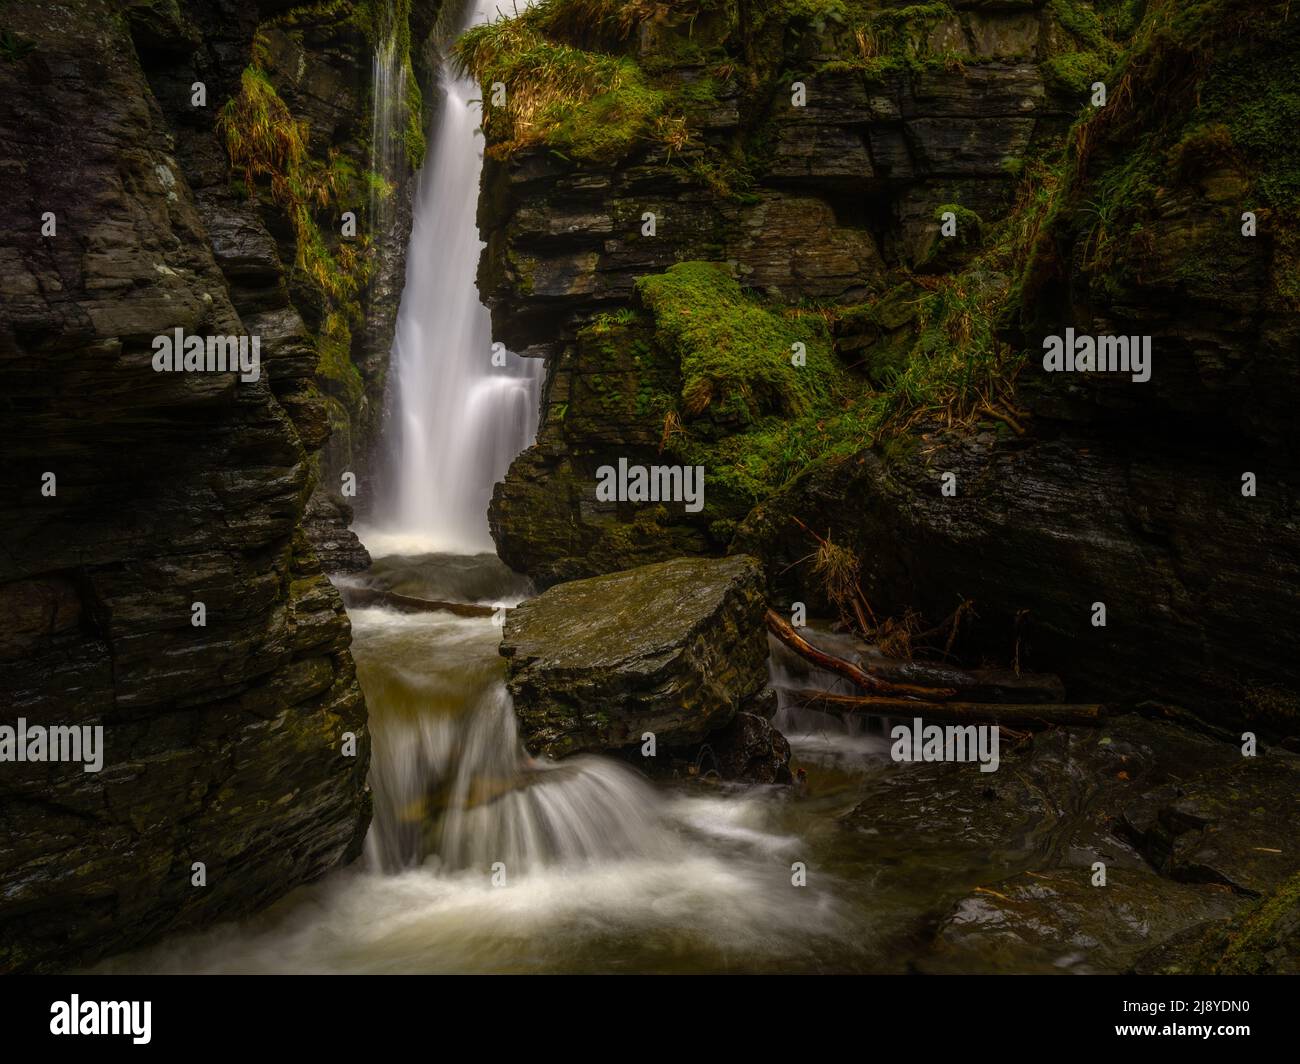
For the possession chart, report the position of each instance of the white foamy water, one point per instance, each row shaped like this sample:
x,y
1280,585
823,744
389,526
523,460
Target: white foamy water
x,y
602,870
828,738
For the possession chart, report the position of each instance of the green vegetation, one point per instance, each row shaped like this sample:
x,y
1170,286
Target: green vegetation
x,y
265,142
736,354
14,47
585,105
269,150
1209,91
1255,941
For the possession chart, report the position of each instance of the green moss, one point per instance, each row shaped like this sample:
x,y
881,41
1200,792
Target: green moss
x,y
413,126
607,125
334,367
1083,23
735,352
1260,940
969,224
585,105
1226,74
1075,72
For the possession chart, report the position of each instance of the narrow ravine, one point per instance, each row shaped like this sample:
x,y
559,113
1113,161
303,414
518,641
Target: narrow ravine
x,y
479,857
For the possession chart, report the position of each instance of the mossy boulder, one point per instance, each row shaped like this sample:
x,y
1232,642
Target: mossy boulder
x,y
1262,940
673,648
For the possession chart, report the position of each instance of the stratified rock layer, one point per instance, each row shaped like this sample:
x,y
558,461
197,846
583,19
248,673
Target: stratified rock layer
x,y
844,189
673,648
223,741
1172,502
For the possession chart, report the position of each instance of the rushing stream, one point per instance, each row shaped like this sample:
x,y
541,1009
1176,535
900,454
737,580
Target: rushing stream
x,y
604,871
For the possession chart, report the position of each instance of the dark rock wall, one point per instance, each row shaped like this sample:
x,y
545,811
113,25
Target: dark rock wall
x,y
845,190
223,742
1129,494
1117,492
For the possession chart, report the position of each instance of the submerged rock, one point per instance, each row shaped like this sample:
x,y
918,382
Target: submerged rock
x,y
751,750
673,648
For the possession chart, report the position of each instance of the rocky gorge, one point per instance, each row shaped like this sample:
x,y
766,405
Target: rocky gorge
x,y
810,248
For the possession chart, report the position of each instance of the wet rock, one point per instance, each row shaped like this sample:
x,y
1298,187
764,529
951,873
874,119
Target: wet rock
x,y
836,194
1003,863
673,648
1262,939
1058,921
326,522
221,742
749,749
1153,531
1228,826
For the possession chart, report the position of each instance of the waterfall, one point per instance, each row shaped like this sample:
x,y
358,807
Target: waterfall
x,y
388,104
458,419
451,780
456,789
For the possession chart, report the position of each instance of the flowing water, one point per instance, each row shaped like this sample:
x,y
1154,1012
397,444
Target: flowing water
x,y
460,416
480,858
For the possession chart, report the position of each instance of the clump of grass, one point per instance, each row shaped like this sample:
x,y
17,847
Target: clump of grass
x,y
267,144
588,105
262,138
736,354
13,47
839,572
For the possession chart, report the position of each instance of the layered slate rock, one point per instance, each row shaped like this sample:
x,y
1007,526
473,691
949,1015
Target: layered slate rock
x,y
673,648
1107,489
844,190
222,743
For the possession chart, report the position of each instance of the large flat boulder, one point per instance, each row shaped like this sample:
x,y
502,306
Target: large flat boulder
x,y
672,648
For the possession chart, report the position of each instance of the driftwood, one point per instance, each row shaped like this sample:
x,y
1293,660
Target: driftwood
x,y
779,627
368,596
1031,717
975,685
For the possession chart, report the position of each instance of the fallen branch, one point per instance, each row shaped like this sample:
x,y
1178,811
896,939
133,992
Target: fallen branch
x,y
367,596
1032,717
975,685
779,627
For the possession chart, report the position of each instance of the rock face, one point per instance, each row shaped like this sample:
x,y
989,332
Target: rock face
x,y
834,194
673,648
134,495
750,749
1132,494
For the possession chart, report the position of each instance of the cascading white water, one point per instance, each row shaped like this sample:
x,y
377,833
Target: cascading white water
x,y
452,783
460,419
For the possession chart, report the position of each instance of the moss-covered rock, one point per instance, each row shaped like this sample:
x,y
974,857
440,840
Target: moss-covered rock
x,y
673,649
1263,940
